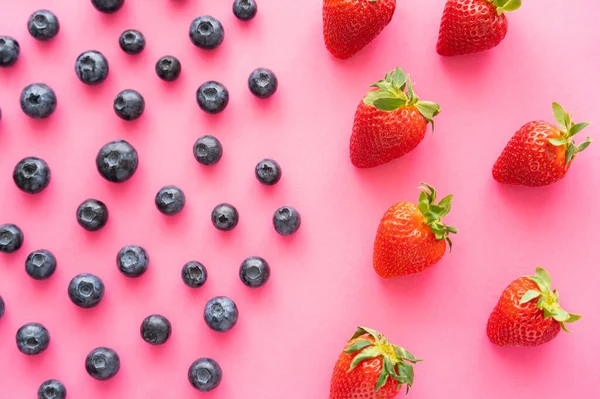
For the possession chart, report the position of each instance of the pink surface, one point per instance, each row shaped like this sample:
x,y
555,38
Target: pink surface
x,y
291,331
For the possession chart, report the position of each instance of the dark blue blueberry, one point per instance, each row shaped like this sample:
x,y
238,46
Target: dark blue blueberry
x,y
38,101
225,217
286,220
11,238
40,265
132,41
208,150
245,9
92,215
43,25
156,329
129,105
2,307
133,261
32,175
86,290
108,6
221,314
205,374
268,172
52,389
102,363
168,68
9,51
194,274
262,83
117,161
212,97
32,339
207,32
170,200
91,67
255,272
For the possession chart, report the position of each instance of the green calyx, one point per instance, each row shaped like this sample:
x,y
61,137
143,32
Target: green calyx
x,y
547,299
397,361
568,130
396,91
433,213
503,6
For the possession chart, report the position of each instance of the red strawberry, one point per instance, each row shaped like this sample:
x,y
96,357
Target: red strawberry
x,y
471,26
528,313
412,238
389,122
540,154
349,25
370,367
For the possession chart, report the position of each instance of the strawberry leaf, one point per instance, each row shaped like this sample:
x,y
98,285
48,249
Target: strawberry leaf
x,y
578,128
560,115
358,345
383,377
388,103
366,354
558,142
529,296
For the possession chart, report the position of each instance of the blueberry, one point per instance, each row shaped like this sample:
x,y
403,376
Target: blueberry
x,y
2,307
91,67
212,97
221,314
194,274
155,329
43,25
133,261
205,374
225,217
86,290
117,161
32,339
206,32
245,9
38,101
255,272
102,363
286,220
268,172
129,105
208,150
170,200
92,215
52,389
11,238
108,6
40,265
262,83
168,68
9,51
32,175
132,41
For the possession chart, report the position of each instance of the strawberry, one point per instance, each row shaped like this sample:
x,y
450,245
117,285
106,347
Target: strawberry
x,y
528,313
540,154
370,367
471,26
412,238
390,121
349,25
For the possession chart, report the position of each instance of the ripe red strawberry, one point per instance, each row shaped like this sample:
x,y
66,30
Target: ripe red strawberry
x,y
528,313
412,238
540,154
349,25
389,122
471,26
370,367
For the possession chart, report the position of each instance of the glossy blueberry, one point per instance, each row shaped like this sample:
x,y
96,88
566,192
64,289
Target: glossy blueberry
x,y
38,101
170,200
9,51
212,97
225,217
2,307
168,68
206,32
92,215
208,150
205,374
155,329
268,172
117,161
52,389
194,274
255,272
43,25
32,339
129,105
133,261
11,238
86,290
286,220
102,363
40,265
32,175
262,83
132,41
91,67
108,6
245,9
221,314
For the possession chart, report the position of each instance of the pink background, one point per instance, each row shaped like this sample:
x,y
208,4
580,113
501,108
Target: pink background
x,y
291,331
